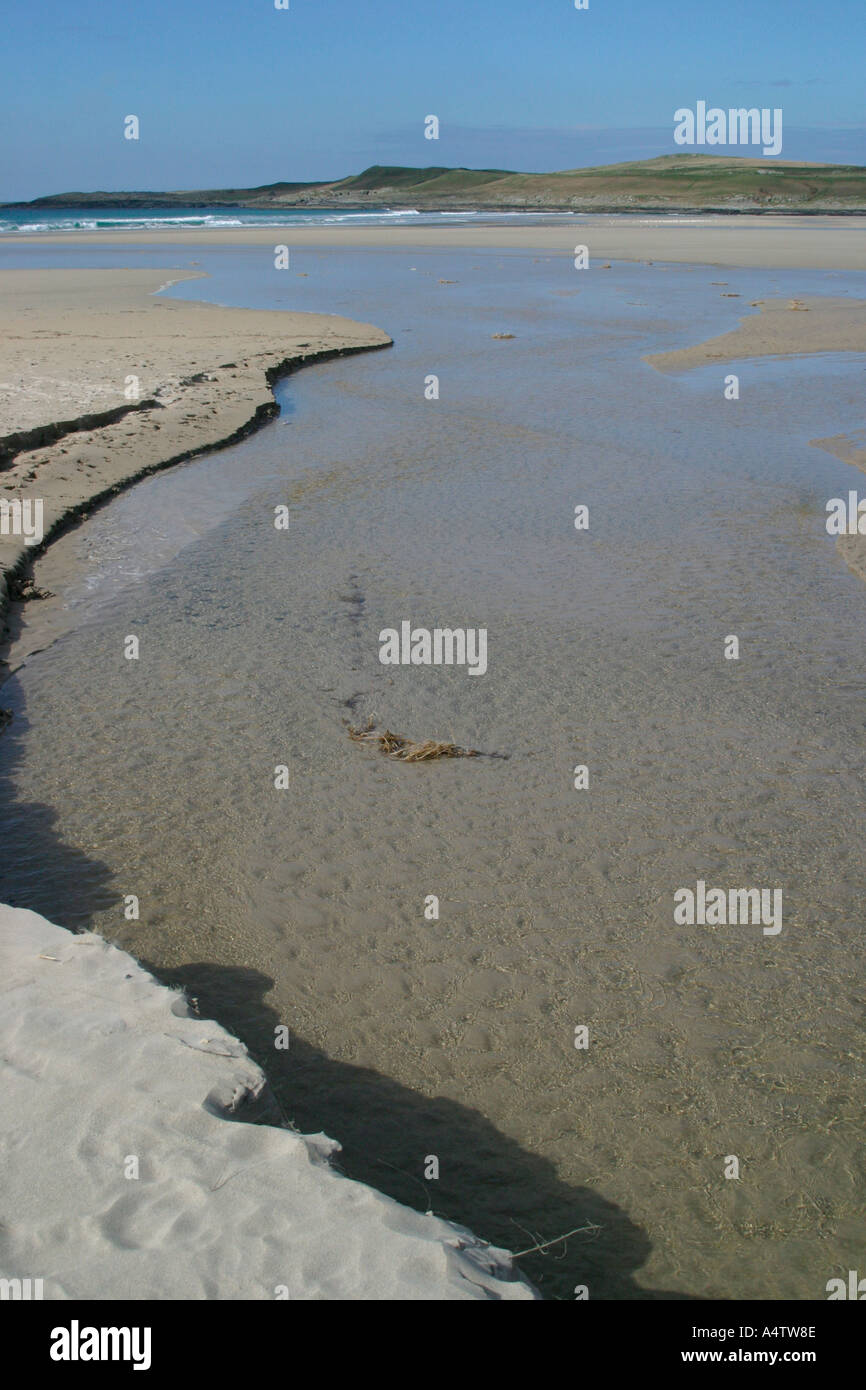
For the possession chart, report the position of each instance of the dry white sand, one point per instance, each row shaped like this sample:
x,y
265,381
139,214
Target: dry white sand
x,y
104,1073
72,340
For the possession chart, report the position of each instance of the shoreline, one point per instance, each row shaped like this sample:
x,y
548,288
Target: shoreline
x,y
198,401
788,241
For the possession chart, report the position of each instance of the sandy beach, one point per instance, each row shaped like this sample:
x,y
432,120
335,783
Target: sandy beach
x,y
78,343
782,242
204,377
432,818
332,932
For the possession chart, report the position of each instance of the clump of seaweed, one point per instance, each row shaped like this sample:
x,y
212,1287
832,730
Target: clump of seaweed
x,y
22,589
406,749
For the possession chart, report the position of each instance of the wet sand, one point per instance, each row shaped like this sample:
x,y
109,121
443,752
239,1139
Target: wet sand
x,y
850,448
203,374
455,1038
777,242
74,340
792,328
780,329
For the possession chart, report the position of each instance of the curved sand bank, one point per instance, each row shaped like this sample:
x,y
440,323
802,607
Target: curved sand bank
x,y
775,241
127,1175
69,432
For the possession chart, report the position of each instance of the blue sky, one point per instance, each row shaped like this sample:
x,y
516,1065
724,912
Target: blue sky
x,y
236,92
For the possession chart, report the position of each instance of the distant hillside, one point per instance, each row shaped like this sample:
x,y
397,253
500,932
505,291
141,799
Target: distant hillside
x,y
268,195
677,182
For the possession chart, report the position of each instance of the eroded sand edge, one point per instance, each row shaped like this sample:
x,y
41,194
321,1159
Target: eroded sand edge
x,y
80,345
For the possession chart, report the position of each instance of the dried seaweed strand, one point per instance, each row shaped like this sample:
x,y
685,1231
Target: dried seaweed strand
x,y
406,749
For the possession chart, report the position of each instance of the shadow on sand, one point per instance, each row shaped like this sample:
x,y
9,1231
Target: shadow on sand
x,y
487,1182
505,1194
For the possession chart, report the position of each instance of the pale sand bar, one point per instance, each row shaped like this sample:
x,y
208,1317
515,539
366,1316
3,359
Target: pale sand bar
x,y
71,341
780,329
776,242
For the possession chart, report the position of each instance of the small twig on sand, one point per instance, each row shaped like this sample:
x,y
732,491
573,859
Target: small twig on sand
x,y
545,1245
403,1173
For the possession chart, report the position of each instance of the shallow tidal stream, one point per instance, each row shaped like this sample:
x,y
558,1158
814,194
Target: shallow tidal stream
x,y
454,1038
